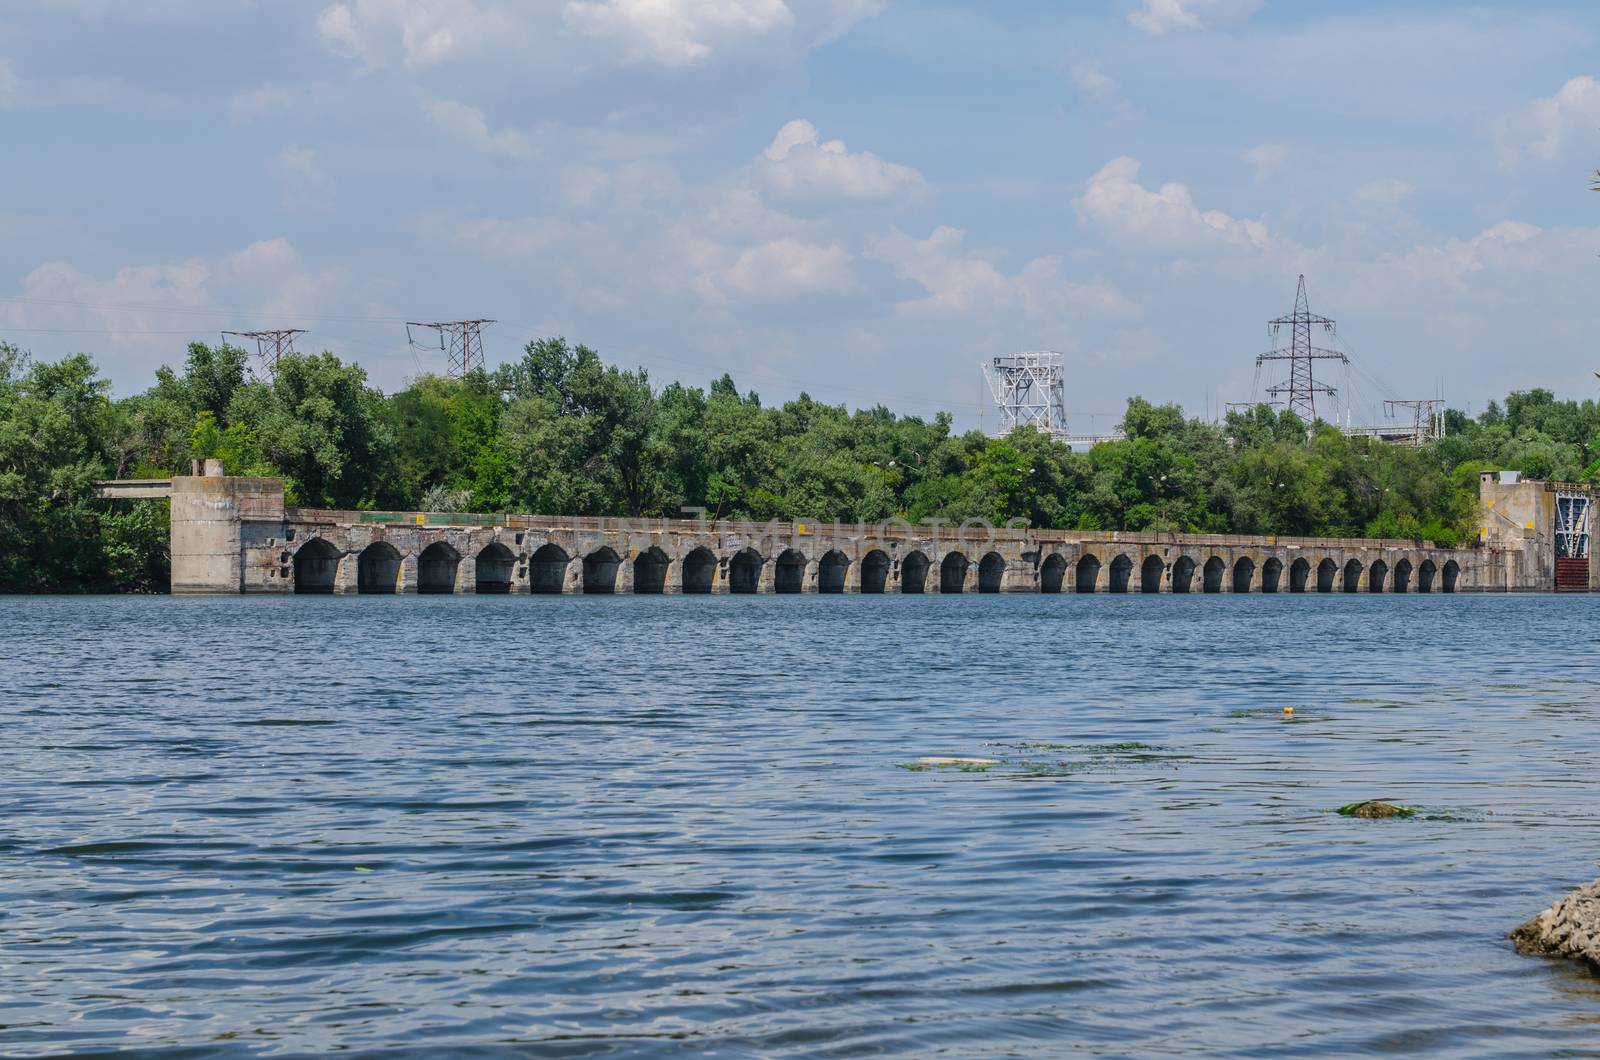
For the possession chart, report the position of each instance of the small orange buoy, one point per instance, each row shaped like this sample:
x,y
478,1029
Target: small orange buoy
x,y
1288,710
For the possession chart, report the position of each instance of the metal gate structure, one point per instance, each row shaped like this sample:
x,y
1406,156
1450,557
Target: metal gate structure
x,y
1572,540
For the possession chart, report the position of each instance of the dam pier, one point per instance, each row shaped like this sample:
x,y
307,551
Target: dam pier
x,y
236,535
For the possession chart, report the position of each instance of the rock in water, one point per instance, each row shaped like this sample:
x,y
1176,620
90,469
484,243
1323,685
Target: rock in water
x,y
1570,928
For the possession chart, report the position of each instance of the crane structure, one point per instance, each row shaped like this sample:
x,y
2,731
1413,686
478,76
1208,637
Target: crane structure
x,y
1030,391
1299,391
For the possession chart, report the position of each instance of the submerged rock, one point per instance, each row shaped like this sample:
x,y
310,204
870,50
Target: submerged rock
x,y
1375,808
1570,928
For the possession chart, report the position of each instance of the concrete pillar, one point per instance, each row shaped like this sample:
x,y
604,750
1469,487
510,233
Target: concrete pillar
x,y
408,574
719,575
344,580
852,575
767,583
625,574
573,582
809,578
467,574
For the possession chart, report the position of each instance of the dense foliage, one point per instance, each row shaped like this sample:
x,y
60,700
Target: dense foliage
x,y
559,431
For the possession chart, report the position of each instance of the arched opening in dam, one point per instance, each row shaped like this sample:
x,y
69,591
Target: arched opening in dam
x,y
1271,575
875,571
1327,571
378,569
1452,571
1244,572
831,571
991,571
1088,573
789,574
1426,575
1212,573
1377,576
600,569
1352,577
547,570
699,572
1121,574
1299,574
1182,574
914,573
1150,572
316,566
1052,573
744,572
650,572
436,568
953,573
1402,576
494,565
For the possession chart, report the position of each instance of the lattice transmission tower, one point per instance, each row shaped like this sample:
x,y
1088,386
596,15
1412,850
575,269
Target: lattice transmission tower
x,y
271,344
462,341
1427,417
1299,392
1030,389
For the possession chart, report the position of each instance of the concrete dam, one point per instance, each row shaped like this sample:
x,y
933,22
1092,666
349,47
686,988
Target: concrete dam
x,y
236,535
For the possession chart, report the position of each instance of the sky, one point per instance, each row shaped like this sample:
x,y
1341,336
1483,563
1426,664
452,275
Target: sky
x,y
859,199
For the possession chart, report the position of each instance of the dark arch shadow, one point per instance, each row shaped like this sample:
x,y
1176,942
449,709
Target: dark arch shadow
x,y
316,567
699,572
494,566
1052,573
1087,576
953,573
744,572
874,572
378,569
831,571
547,570
991,572
650,572
914,573
436,568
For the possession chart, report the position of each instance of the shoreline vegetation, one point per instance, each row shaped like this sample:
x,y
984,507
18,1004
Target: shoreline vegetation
x,y
558,431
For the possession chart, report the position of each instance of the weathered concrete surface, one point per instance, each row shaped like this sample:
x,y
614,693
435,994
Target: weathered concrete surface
x,y
1570,928
233,535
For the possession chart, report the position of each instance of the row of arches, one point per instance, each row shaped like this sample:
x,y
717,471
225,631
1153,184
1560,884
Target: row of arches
x,y
1187,575
378,569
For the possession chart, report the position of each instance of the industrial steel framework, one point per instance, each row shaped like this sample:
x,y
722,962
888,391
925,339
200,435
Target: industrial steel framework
x,y
462,341
1299,392
1572,524
1427,417
271,344
1029,390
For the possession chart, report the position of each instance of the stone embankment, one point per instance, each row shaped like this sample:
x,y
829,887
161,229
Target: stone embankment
x,y
1570,928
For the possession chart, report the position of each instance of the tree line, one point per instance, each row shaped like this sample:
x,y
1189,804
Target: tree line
x,y
559,431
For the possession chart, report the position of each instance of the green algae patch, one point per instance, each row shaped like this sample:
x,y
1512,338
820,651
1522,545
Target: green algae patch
x,y
1375,809
1024,760
964,765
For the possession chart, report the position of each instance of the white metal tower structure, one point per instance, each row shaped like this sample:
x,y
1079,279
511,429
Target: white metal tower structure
x,y
1030,389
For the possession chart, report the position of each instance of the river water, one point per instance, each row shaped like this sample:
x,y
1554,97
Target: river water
x,y
655,826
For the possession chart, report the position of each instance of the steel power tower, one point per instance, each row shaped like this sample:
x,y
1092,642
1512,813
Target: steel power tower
x,y
1029,390
271,345
1427,417
1300,391
464,348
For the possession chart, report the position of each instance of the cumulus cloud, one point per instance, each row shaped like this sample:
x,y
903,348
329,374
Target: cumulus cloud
x,y
789,268
680,33
1163,219
958,281
1443,270
797,164
1158,17
469,125
146,309
420,33
1544,128
1267,159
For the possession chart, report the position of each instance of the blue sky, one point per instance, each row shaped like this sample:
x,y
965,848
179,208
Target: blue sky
x,y
858,198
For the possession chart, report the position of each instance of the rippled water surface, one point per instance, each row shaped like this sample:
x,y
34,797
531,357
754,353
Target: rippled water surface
x,y
635,826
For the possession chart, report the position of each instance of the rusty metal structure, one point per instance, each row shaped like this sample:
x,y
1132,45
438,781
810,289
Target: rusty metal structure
x,y
461,340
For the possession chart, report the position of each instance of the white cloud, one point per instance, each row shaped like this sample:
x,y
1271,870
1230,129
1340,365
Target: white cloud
x,y
1267,159
789,268
422,32
146,311
1388,191
959,282
1543,129
680,33
1164,219
470,126
1435,271
1157,17
796,164
1097,87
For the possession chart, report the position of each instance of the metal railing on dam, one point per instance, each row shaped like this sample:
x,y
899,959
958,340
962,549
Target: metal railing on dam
x,y
235,535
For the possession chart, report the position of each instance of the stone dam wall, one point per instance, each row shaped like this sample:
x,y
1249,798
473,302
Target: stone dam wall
x,y
235,535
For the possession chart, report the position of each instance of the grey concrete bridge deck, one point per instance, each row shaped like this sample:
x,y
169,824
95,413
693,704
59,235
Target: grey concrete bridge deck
x,y
235,535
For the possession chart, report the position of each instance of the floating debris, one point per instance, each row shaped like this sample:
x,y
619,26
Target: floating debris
x,y
1375,809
